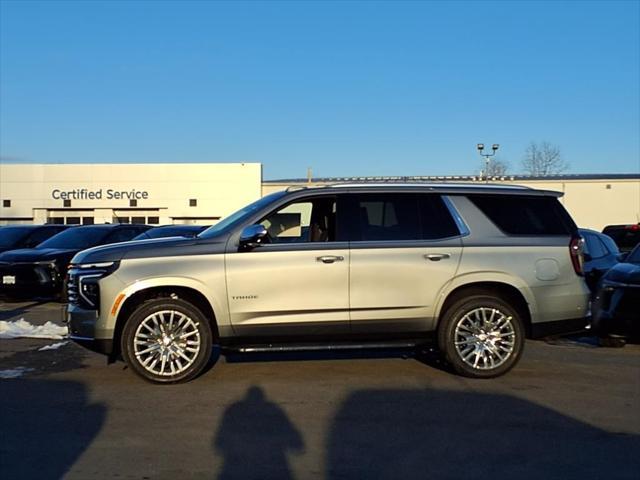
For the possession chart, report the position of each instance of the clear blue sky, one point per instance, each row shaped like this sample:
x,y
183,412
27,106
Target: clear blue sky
x,y
349,88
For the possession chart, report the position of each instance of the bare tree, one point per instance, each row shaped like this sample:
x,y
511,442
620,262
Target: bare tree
x,y
543,159
496,168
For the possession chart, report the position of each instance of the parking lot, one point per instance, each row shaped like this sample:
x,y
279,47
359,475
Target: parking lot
x,y
570,409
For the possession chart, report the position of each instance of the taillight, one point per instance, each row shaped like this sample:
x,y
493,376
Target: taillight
x,y
576,249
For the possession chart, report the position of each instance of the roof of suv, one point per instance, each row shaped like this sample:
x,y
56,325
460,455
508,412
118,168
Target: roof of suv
x,y
450,188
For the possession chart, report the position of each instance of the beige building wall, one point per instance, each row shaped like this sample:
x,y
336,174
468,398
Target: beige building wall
x,y
36,191
592,203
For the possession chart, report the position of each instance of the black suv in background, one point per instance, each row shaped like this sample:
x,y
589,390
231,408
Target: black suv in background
x,y
616,309
26,236
600,254
41,270
625,236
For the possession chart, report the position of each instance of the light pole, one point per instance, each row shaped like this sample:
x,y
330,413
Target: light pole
x,y
487,157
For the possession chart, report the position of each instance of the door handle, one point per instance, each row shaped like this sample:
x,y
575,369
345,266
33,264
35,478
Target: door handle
x,y
329,258
436,257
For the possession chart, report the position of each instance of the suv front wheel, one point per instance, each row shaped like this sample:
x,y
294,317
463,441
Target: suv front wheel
x,y
167,340
481,336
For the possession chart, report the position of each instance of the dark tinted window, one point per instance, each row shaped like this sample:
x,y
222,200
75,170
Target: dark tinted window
x,y
388,216
435,218
595,248
123,235
634,256
77,238
626,237
40,235
10,236
610,244
403,216
73,220
523,215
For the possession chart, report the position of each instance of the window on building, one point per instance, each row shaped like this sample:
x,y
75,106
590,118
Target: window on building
x,y
6,203
138,220
87,220
133,203
193,202
66,203
56,220
73,220
120,220
153,220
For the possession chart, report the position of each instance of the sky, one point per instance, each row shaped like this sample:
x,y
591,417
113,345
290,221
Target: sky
x,y
347,88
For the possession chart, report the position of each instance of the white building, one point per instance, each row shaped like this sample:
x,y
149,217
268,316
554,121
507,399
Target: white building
x,y
198,193
202,193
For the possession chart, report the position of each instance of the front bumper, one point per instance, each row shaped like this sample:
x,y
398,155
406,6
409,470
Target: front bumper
x,y
617,310
81,324
29,279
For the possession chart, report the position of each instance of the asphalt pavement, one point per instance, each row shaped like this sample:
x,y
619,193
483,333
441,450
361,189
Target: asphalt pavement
x,y
570,409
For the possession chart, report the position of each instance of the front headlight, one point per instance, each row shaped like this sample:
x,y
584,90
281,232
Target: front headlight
x,y
83,285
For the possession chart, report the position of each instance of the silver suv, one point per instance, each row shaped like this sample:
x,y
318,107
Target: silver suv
x,y
477,267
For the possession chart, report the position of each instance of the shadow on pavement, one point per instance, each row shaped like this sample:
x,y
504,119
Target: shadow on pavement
x,y
415,434
8,311
46,426
254,437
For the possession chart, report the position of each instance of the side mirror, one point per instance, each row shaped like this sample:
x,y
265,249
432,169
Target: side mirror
x,y
253,236
622,256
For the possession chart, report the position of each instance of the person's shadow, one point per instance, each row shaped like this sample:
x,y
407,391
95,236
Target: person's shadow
x,y
254,437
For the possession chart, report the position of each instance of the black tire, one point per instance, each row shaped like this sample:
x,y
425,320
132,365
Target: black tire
x,y
612,342
165,342
483,347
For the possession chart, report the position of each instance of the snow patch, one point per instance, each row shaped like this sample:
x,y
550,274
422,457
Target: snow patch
x,y
53,346
14,372
22,328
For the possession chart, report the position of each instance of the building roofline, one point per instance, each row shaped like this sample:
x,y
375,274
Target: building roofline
x,y
458,178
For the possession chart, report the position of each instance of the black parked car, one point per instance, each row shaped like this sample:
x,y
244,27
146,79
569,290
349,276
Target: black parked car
x,y
625,236
616,312
172,231
40,271
600,254
26,236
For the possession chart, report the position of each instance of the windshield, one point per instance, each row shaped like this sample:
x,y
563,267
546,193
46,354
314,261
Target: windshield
x,y
634,256
238,217
10,236
77,238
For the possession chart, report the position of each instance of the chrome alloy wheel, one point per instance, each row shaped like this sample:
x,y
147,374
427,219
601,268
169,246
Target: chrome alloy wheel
x,y
485,338
167,342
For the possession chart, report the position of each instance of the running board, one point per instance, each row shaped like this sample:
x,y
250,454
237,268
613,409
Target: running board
x,y
310,347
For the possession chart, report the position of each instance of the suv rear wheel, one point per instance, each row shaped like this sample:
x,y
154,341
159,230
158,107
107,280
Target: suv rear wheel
x,y
481,336
167,341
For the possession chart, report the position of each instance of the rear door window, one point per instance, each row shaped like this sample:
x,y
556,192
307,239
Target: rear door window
x,y
402,216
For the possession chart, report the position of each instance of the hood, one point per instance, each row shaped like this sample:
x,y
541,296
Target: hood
x,y
29,255
624,273
146,248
